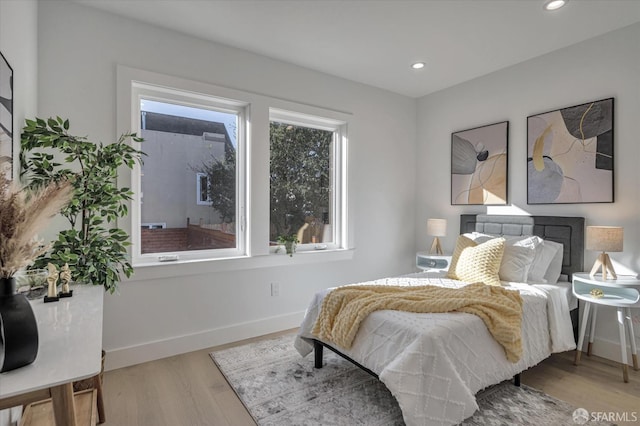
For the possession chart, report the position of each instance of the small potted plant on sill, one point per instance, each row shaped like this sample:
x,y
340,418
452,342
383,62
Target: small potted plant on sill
x,y
289,242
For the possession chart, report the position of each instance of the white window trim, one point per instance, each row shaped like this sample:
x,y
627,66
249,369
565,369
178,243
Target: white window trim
x,y
257,253
140,91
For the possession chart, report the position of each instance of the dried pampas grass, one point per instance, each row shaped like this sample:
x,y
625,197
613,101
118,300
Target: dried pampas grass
x,y
23,213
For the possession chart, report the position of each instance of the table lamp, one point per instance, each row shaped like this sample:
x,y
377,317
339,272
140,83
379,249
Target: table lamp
x,y
436,228
604,239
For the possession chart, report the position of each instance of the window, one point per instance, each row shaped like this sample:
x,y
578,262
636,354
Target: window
x,y
306,179
203,192
194,145
202,189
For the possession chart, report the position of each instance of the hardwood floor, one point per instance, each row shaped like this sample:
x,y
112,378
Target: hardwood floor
x,y
189,390
595,385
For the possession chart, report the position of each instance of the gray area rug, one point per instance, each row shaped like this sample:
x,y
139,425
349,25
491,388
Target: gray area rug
x,y
280,388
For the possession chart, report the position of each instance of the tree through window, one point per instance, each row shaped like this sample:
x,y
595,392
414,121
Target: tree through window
x,y
301,182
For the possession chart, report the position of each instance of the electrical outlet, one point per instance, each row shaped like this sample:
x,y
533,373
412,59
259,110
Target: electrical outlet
x,y
275,289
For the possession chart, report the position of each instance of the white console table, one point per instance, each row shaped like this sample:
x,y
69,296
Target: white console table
x,y
70,344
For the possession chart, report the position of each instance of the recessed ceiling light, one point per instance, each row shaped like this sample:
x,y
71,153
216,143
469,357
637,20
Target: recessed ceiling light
x,y
554,4
417,65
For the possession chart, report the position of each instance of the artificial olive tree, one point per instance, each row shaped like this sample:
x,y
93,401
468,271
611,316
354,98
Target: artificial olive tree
x,y
93,246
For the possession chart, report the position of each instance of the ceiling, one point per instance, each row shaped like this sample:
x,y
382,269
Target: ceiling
x,y
375,41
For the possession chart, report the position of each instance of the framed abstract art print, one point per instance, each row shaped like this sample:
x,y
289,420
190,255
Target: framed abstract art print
x,y
570,155
479,165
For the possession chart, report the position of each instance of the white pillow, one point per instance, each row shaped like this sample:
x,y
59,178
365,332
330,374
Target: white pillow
x,y
479,237
555,268
545,253
519,253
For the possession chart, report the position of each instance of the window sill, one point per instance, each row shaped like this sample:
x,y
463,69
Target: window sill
x,y
159,270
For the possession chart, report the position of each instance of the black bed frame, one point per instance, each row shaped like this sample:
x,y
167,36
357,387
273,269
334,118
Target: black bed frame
x,y
568,231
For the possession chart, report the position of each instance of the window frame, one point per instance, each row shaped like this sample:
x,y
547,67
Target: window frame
x,y
147,91
337,203
258,253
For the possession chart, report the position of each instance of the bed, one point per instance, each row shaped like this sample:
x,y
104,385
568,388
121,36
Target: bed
x,y
434,364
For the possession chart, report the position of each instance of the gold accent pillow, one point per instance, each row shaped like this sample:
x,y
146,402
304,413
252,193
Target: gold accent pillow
x,y
461,244
474,263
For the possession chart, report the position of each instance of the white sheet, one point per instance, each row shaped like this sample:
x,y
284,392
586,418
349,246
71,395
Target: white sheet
x,y
559,297
434,364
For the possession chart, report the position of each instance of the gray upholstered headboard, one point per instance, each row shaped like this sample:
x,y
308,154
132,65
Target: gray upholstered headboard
x,y
569,231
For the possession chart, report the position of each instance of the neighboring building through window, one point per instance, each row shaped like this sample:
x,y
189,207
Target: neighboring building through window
x,y
188,178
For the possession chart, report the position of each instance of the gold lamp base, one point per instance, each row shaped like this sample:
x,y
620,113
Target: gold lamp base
x,y
436,248
604,262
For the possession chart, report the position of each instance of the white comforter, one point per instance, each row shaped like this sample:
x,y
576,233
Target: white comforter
x,y
434,364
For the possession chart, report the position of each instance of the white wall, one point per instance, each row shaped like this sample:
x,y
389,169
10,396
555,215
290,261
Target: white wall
x,y
606,66
18,44
79,49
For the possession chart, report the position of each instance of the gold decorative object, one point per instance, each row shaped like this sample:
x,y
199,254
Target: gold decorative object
x,y
596,293
65,279
52,279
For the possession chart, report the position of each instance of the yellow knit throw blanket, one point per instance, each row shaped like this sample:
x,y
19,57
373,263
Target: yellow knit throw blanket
x,y
344,308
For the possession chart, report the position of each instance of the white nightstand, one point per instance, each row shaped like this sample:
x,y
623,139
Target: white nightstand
x,y
432,262
622,293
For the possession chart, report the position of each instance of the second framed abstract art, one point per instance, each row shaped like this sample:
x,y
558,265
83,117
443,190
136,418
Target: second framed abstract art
x,y
570,155
479,165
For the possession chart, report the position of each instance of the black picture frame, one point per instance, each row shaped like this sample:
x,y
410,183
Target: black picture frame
x,y
480,165
6,117
570,156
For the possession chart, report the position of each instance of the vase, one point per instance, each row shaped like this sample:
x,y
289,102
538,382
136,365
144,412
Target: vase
x,y
290,247
18,328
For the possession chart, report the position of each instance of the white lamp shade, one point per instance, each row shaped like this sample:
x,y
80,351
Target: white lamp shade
x,y
605,238
437,227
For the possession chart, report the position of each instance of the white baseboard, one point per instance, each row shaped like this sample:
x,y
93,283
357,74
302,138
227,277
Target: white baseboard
x,y
149,351
608,349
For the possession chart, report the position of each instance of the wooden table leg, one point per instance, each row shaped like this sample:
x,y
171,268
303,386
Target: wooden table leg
x,y
64,409
97,384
